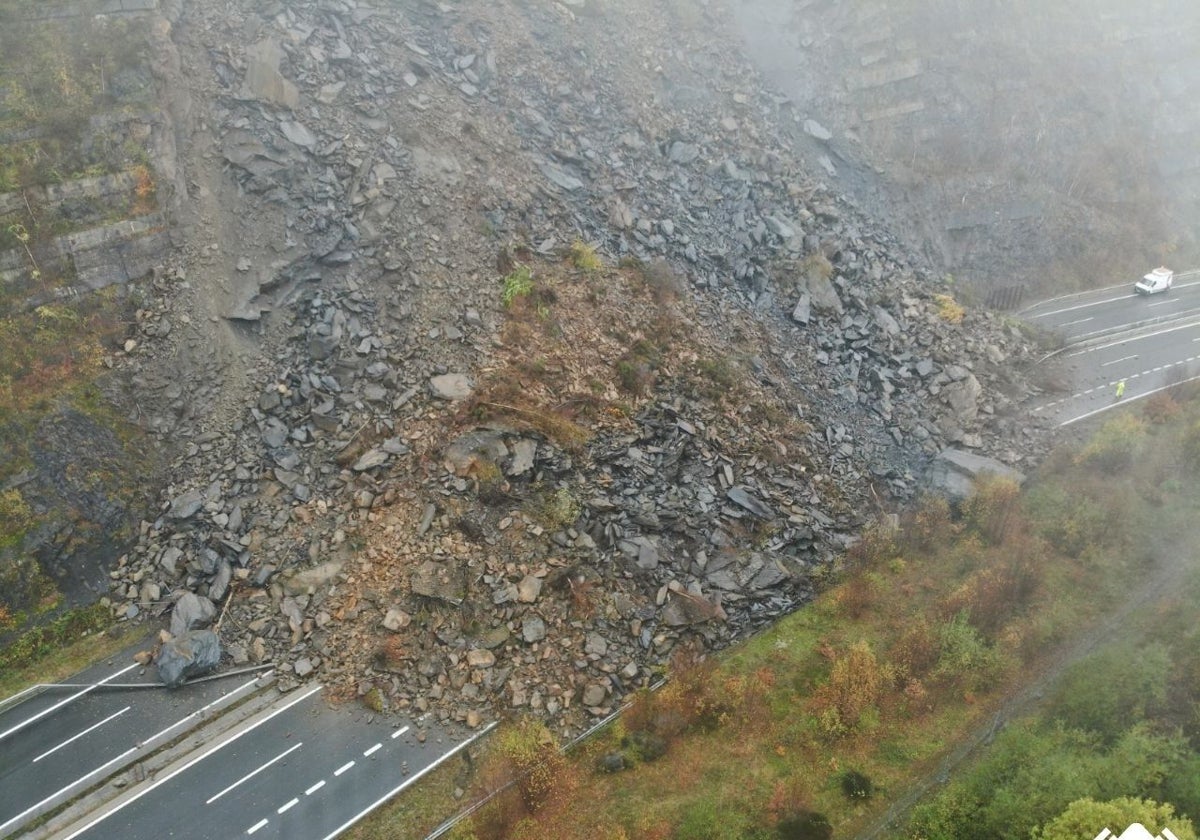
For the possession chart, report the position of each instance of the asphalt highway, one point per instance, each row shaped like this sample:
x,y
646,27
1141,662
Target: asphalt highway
x,y
61,740
1103,311
1148,362
303,770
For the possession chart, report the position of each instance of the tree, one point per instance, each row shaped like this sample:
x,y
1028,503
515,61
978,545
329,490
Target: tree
x,y
1086,818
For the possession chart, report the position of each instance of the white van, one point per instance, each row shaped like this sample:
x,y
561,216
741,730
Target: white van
x,y
1158,280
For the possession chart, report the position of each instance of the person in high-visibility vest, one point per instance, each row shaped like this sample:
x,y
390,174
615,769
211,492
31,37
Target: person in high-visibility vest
x,y
1121,389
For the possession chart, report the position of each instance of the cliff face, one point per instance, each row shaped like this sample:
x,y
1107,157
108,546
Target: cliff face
x,y
1020,144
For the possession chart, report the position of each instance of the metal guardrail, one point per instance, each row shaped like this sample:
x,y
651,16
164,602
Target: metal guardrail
x,y
474,807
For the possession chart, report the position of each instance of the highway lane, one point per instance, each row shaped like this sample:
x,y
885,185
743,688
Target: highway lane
x,y
1148,363
1102,311
59,740
303,771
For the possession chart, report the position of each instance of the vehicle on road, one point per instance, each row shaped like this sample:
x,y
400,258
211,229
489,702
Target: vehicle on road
x,y
1157,281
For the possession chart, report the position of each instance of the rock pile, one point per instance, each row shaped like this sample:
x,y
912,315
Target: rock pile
x,y
354,525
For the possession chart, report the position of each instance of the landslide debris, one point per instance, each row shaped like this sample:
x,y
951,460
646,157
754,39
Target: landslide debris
x,y
534,355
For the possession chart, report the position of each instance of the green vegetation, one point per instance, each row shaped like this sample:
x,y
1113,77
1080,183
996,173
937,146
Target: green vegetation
x,y
584,257
76,643
517,285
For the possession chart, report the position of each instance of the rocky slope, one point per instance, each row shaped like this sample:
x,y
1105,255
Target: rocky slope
x,y
435,452
1026,147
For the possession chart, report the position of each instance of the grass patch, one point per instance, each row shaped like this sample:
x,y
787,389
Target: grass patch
x,y
66,645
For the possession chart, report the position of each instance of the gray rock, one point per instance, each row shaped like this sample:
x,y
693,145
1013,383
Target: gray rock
x,y
814,129
450,386
560,177
169,559
523,453
533,629
220,581
186,504
190,612
643,550
188,656
681,152
263,79
744,498
953,473
396,620
303,667
594,694
802,314
314,579
297,133
370,459
440,581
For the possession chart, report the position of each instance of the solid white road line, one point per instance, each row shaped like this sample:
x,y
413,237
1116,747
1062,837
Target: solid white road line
x,y
315,788
1122,359
64,702
1083,306
407,782
372,749
287,806
219,745
254,773
256,826
1121,341
1163,302
204,709
1125,401
64,789
127,752
81,734
399,732
343,768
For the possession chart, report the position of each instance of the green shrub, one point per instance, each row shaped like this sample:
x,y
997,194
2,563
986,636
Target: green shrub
x,y
964,656
518,284
1113,447
1107,692
856,785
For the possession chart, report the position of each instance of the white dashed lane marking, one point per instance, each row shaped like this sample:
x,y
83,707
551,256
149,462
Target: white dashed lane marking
x,y
399,732
343,768
256,826
287,806
315,788
367,752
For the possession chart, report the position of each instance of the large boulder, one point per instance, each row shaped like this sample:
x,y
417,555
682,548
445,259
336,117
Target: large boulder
x,y
191,611
188,656
954,472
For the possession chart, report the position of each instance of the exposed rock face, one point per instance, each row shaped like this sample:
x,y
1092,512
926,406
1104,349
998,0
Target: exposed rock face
x,y
954,472
185,657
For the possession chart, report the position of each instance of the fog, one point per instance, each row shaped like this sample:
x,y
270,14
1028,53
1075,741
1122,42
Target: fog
x,y
1014,143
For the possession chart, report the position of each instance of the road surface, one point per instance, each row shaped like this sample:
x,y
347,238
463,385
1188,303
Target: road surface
x,y
302,770
299,768
1115,336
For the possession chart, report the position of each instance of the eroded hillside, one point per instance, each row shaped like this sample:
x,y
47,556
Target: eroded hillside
x,y
508,347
